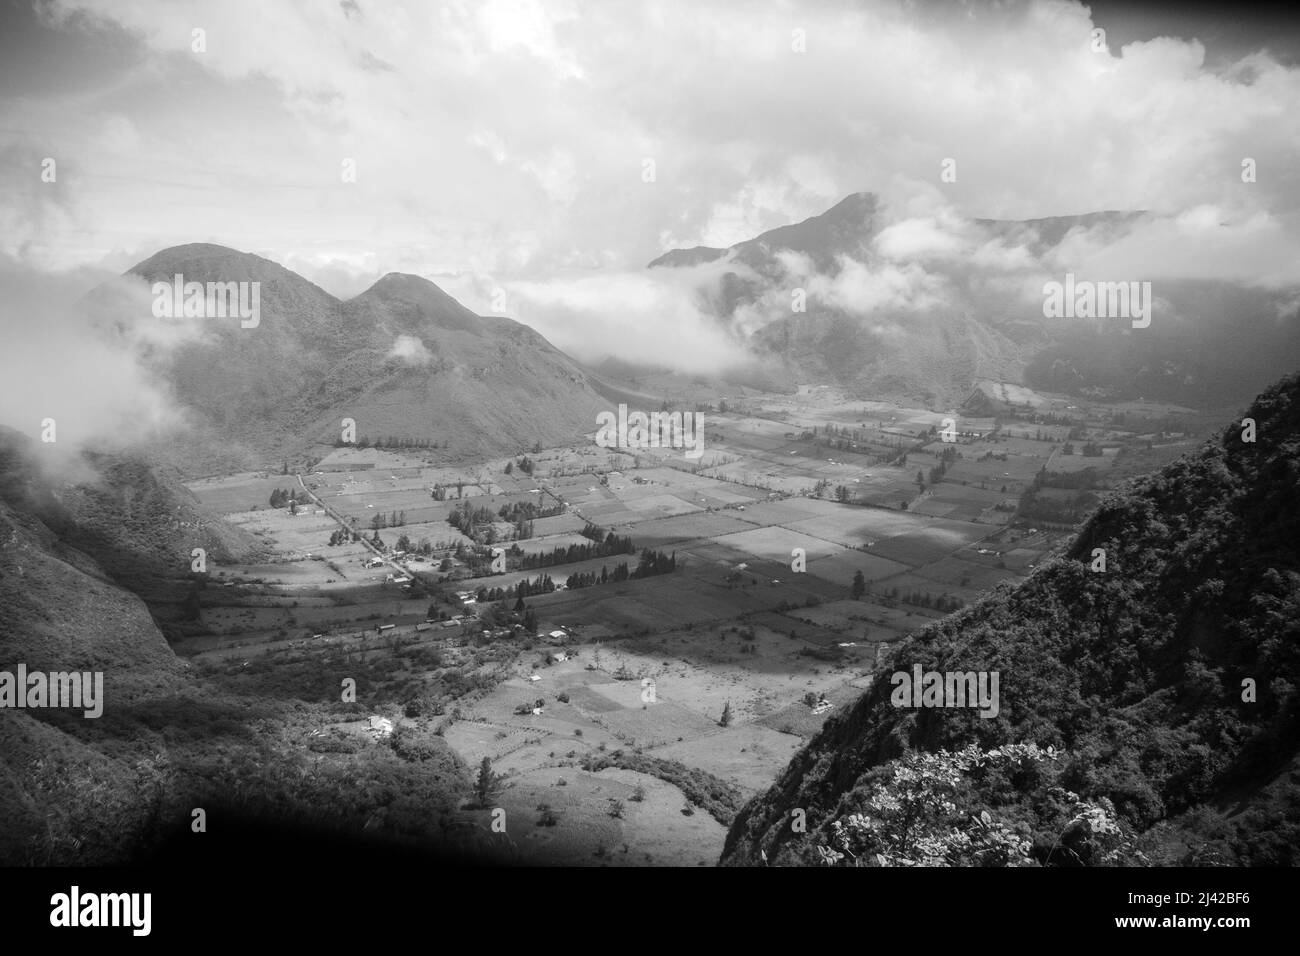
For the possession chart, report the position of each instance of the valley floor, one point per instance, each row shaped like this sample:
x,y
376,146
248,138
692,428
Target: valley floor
x,y
616,754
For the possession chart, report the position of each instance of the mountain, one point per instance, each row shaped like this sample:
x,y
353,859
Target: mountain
x,y
244,743
402,359
63,612
842,229
1148,707
920,310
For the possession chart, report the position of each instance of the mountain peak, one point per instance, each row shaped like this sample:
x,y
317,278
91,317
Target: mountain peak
x,y
413,299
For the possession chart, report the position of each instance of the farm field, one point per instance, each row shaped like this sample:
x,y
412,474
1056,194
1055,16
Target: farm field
x,y
872,496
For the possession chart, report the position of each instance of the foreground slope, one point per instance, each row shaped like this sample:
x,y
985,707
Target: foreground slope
x,y
84,586
1165,684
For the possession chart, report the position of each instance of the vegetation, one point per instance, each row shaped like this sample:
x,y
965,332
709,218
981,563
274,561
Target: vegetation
x,y
717,797
487,784
1166,686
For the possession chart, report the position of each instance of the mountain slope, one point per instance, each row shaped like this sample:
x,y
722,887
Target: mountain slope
x,y
1135,673
485,385
402,359
75,562
917,309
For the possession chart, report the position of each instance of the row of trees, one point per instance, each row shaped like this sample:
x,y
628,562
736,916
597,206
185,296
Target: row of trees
x,y
394,520
943,602
388,441
524,589
573,553
652,563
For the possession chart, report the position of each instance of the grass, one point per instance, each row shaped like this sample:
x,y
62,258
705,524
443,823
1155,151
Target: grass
x,y
718,798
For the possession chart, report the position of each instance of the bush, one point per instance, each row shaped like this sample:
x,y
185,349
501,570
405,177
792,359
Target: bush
x,y
413,746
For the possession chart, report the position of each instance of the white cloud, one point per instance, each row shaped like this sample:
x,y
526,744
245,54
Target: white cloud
x,y
410,350
508,136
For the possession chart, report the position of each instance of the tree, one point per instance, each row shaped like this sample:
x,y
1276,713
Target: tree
x,y
488,783
510,466
726,715
191,607
859,584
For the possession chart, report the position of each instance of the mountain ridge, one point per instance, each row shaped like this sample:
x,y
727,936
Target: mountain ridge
x,y
917,317
401,358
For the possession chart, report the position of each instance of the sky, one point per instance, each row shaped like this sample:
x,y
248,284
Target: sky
x,y
504,148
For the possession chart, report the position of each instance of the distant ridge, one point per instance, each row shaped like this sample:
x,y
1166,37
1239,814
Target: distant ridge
x,y
924,329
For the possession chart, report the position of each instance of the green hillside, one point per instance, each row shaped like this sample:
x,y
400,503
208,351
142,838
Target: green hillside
x,y
1133,676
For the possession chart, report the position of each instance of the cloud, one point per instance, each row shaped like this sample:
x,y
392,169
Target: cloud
x,y
1205,242
928,238
410,350
651,317
502,144
508,137
85,363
